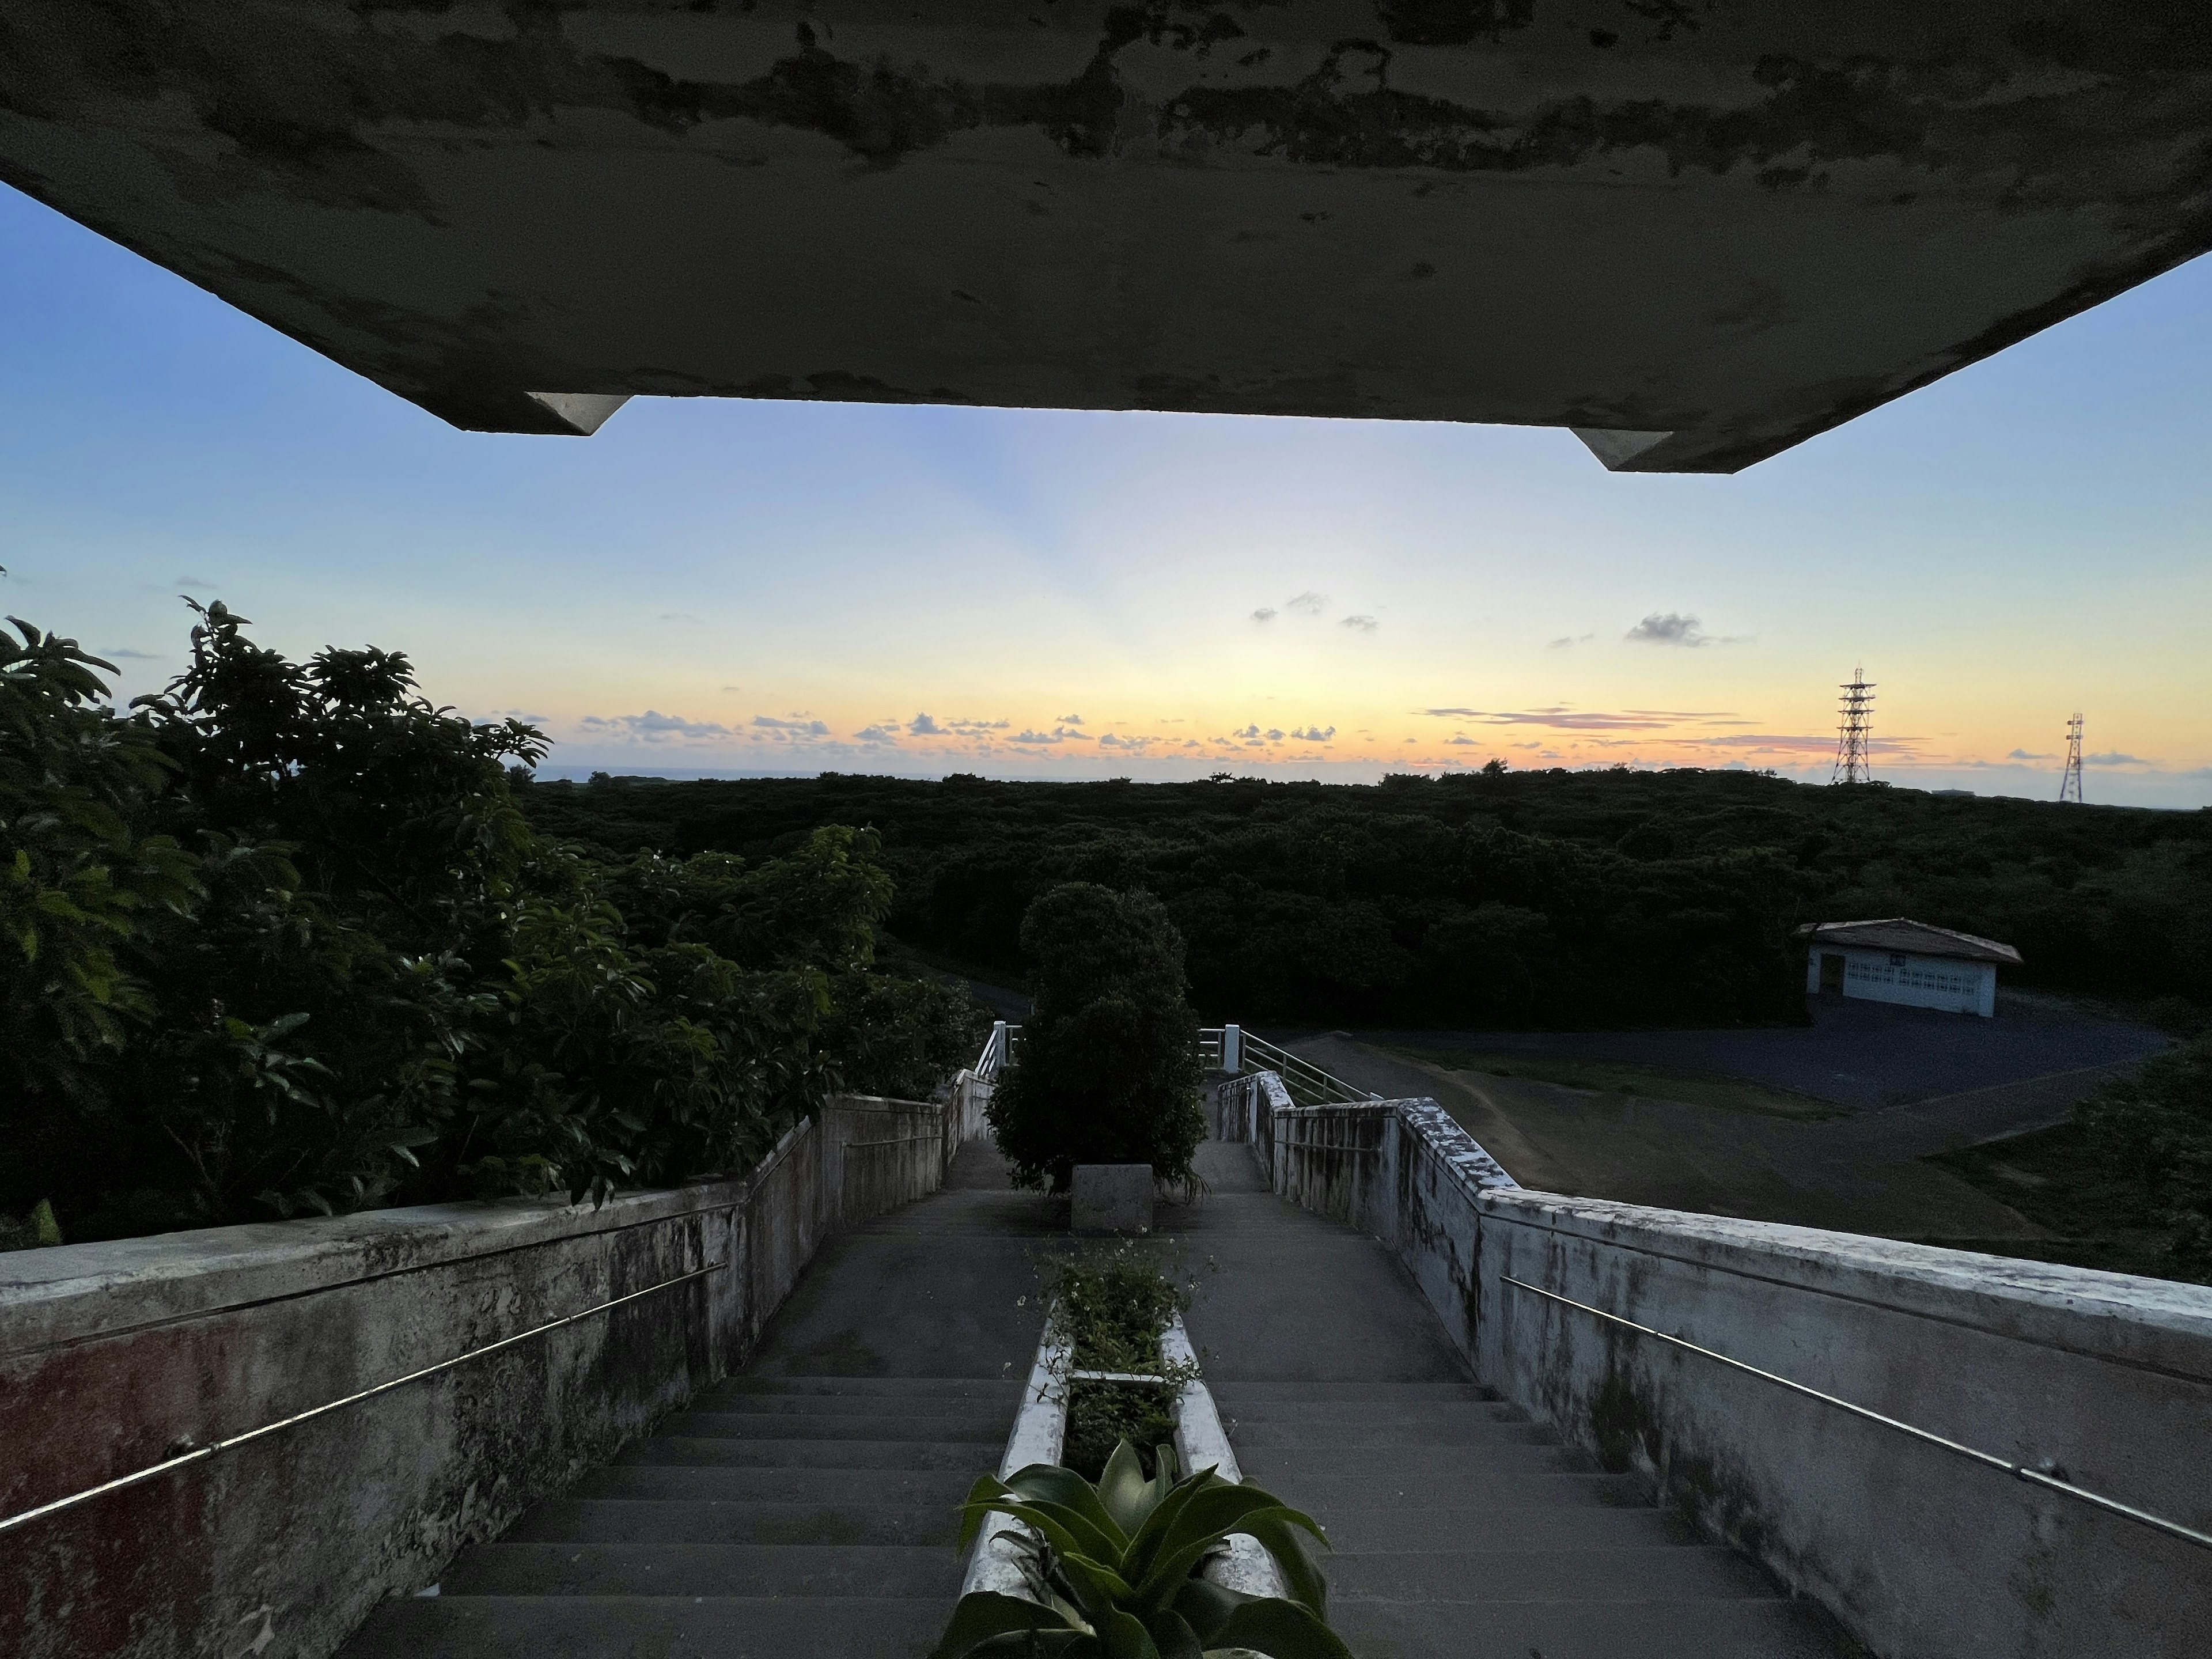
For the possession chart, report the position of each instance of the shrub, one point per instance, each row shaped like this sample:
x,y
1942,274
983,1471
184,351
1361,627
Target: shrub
x,y
279,939
1107,1068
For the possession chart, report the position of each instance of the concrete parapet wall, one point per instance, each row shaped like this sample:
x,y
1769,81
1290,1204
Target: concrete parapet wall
x,y
114,1357
2104,1379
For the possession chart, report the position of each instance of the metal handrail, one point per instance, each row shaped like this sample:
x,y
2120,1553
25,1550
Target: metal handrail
x,y
1308,1085
198,1453
2018,1471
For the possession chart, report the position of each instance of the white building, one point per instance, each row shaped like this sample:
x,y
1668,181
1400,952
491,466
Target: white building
x,y
1897,960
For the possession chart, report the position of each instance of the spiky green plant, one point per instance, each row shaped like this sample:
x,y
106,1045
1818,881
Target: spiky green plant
x,y
1115,1569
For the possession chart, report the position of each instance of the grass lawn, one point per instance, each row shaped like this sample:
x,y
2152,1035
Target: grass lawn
x,y
1620,1076
2048,1178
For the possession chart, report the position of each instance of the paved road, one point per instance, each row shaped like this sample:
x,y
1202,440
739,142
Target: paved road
x,y
1862,1055
1860,1173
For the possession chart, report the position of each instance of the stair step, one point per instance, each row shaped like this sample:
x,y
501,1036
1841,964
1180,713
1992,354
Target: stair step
x,y
1658,1572
654,1569
779,1486
699,1627
1408,1412
1000,1402
702,1520
1232,1393
1473,1432
1428,1466
685,1452
1007,1388
1360,1524
1775,1629
978,1429
1322,1497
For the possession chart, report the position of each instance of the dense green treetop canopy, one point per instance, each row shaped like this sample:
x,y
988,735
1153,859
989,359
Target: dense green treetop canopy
x,y
1549,898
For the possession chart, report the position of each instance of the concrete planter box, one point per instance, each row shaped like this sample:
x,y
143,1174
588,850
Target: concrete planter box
x,y
1111,1198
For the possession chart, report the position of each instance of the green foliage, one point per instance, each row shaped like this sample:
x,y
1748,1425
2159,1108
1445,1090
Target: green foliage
x,y
1113,1308
2154,1130
280,939
1499,900
1108,1070
1115,1568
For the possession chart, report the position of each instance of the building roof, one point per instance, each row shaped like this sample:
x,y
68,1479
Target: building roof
x,y
1917,938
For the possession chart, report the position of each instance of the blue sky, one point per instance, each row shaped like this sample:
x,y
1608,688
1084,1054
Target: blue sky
x,y
731,586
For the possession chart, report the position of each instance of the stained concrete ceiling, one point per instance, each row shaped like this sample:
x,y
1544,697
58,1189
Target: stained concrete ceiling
x,y
1696,231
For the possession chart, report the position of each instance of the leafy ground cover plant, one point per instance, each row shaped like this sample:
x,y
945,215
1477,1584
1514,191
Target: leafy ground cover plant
x,y
1114,1307
278,940
1115,1569
1108,1069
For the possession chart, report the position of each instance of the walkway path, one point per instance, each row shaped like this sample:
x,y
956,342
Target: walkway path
x,y
1461,1530
805,1510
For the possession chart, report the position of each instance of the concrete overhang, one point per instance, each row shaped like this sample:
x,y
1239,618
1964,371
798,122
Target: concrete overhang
x,y
1697,232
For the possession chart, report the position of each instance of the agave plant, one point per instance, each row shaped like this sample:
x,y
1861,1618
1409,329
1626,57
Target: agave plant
x,y
1114,1569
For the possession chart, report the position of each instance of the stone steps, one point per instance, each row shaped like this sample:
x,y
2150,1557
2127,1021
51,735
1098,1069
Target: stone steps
x,y
801,1517
1461,1530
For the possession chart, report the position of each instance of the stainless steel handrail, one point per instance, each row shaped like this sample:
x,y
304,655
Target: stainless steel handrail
x,y
2018,1471
198,1453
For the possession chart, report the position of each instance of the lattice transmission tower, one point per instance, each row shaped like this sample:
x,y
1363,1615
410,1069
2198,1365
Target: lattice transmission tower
x,y
2070,781
1857,705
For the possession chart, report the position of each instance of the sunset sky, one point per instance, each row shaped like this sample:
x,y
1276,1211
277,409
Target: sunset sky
x,y
746,588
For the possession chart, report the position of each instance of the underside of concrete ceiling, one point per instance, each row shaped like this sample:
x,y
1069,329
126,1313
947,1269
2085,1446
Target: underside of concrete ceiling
x,y
1697,232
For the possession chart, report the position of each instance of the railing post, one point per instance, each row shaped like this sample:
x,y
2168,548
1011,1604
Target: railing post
x,y
1232,1045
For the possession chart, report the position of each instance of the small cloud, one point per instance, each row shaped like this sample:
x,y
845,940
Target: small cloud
x,y
1458,740
1275,736
1314,733
1026,736
1109,741
680,617
1673,628
876,734
1567,641
1364,624
922,727
131,656
2023,754
797,725
1068,720
1308,603
654,726
196,582
1252,731
1265,613
2113,757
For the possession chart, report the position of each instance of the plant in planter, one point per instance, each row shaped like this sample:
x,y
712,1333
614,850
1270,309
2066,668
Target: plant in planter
x,y
1107,1071
1115,1569
1113,1307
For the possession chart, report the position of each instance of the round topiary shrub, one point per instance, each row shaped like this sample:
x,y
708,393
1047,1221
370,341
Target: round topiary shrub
x,y
1108,1069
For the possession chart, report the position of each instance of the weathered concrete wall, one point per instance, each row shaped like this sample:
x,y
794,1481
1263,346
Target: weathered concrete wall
x,y
2103,1379
115,1356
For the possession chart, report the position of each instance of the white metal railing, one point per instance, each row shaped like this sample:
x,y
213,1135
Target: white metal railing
x,y
1229,1049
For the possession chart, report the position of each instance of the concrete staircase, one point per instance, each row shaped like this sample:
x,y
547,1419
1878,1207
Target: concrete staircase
x,y
1463,1531
780,1517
